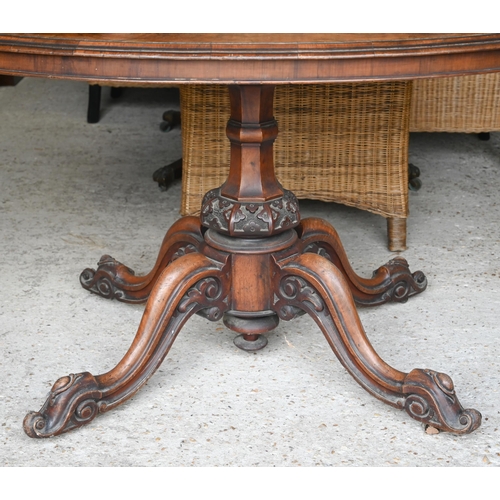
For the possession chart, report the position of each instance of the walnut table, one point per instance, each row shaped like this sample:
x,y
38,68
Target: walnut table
x,y
250,260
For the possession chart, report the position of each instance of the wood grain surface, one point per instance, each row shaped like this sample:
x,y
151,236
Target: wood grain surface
x,y
166,58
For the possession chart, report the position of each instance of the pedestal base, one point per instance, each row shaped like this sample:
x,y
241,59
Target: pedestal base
x,y
195,275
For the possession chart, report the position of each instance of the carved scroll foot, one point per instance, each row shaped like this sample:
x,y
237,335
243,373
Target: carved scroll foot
x,y
399,282
78,394
431,399
392,282
312,284
109,280
113,280
195,283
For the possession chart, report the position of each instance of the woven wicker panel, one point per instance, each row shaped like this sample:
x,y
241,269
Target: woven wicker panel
x,y
346,143
468,104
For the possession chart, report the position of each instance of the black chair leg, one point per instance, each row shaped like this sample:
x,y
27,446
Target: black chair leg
x,y
93,112
116,92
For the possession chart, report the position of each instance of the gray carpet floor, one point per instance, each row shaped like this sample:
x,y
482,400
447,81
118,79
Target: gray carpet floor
x,y
71,191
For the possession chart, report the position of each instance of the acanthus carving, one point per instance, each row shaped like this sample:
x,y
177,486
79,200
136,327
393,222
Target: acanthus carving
x,y
294,296
183,251
207,297
249,219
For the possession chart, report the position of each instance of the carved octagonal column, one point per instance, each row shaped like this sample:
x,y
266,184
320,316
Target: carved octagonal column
x,y
251,203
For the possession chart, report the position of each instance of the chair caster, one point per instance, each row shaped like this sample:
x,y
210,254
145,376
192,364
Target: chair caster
x,y
414,183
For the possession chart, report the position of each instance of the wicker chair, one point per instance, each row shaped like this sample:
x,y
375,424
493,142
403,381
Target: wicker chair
x,y
469,104
346,143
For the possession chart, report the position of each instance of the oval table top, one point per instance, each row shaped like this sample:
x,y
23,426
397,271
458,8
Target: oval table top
x,y
167,58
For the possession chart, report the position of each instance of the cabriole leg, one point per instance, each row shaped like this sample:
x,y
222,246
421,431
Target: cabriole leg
x,y
194,284
113,280
312,284
392,282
